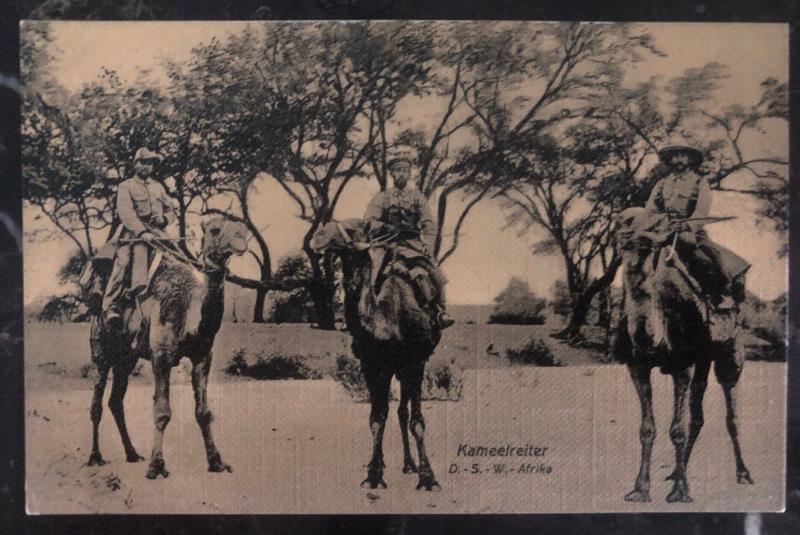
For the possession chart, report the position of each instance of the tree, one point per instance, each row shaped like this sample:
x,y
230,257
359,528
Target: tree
x,y
598,169
518,305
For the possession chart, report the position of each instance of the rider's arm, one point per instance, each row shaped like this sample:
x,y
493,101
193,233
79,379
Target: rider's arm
x,y
127,211
375,208
703,205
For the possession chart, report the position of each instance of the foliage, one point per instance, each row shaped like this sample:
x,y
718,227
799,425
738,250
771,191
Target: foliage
x,y
766,321
271,367
294,304
534,352
64,308
537,115
442,381
518,305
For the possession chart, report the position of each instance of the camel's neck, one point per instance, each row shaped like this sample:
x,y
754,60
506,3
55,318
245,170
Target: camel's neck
x,y
213,303
206,306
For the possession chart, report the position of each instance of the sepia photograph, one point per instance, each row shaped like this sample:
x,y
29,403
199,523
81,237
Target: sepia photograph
x,y
404,267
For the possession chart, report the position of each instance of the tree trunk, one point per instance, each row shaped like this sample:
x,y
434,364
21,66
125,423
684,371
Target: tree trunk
x,y
258,309
322,290
604,307
580,306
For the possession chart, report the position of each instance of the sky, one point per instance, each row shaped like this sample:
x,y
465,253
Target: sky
x,y
489,253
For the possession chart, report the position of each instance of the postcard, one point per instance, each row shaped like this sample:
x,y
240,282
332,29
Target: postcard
x,y
404,267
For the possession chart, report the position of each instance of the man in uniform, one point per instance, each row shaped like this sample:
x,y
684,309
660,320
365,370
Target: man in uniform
x,y
402,213
144,210
685,194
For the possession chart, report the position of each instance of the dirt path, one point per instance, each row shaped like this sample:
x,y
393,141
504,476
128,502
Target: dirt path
x,y
300,447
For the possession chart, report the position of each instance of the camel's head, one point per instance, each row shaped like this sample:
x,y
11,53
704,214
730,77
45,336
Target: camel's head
x,y
222,238
634,241
340,236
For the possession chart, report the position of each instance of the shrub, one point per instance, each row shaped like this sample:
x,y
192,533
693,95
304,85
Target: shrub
x,y
271,367
442,381
293,305
518,305
533,353
766,320
348,374
64,308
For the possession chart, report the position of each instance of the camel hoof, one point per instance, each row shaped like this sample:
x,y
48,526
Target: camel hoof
x,y
220,467
133,457
427,480
157,468
409,467
638,496
743,478
371,483
95,459
679,496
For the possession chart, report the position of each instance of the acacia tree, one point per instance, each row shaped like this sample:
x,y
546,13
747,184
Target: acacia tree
x,y
600,170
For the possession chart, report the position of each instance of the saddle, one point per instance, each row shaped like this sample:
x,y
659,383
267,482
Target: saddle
x,y
407,263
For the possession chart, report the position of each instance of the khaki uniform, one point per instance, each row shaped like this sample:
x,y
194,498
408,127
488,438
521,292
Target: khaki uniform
x,y
406,212
687,195
140,204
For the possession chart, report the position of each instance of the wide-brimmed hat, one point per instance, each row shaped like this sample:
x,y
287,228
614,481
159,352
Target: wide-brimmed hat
x,y
145,154
401,154
691,157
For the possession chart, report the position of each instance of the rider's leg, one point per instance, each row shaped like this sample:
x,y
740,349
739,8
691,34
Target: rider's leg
x,y
116,282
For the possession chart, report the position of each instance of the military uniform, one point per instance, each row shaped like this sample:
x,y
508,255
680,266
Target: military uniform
x,y
685,194
405,210
142,206
403,214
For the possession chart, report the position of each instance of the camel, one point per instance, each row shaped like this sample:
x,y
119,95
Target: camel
x,y
668,323
392,336
183,312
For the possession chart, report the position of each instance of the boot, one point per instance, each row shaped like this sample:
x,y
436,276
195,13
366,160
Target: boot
x,y
443,319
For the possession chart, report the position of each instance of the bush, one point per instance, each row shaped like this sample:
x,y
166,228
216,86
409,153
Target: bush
x,y
533,353
271,367
64,308
294,305
442,381
766,320
518,305
348,374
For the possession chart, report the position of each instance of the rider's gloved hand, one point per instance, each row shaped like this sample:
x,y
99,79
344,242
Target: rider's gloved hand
x,y
147,236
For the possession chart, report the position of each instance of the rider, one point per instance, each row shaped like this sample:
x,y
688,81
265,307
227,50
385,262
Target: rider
x,y
402,213
144,210
685,194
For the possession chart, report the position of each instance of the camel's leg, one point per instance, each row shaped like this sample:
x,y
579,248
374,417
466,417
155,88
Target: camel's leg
x,y
161,413
200,369
402,415
412,380
696,392
378,377
116,404
677,433
96,413
647,432
730,391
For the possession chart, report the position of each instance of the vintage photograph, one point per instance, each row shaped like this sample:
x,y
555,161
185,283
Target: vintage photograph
x,y
404,266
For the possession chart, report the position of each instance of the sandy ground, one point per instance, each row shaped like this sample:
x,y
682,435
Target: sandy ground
x,y
301,446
